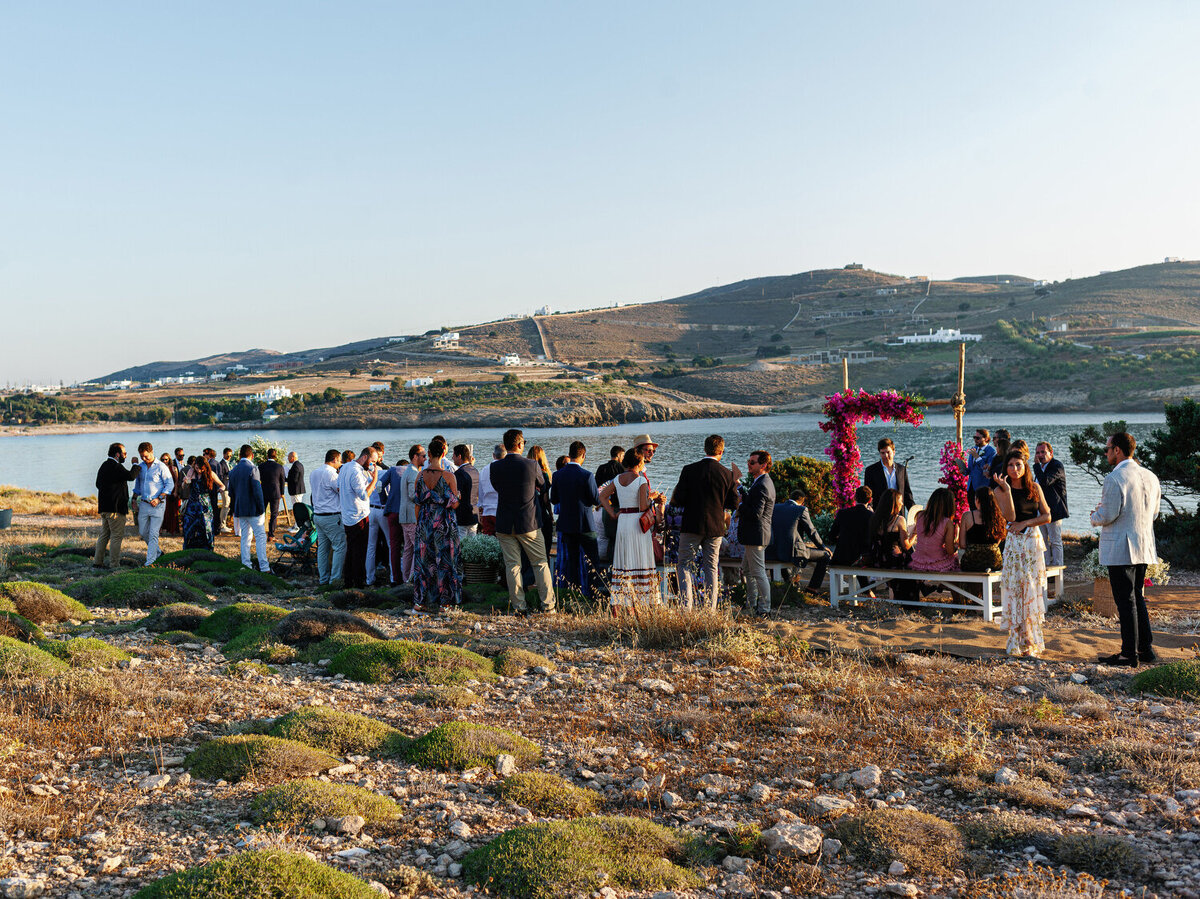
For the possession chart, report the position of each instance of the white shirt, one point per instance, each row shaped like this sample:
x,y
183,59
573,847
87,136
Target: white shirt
x,y
488,498
889,475
352,492
323,485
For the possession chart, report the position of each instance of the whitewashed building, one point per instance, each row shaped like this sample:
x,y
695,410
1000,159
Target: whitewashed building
x,y
941,335
270,394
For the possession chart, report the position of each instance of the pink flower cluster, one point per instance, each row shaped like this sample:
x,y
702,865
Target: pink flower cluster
x,y
954,476
843,412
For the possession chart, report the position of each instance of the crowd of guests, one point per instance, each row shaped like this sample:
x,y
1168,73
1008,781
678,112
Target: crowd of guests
x,y
615,532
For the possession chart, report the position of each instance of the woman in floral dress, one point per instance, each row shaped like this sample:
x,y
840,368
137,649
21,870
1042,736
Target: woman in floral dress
x,y
1023,575
436,581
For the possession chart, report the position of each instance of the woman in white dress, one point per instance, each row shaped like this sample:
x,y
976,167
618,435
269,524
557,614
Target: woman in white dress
x,y
634,573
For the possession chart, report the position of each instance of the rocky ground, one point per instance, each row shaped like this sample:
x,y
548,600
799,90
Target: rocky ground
x,y
807,773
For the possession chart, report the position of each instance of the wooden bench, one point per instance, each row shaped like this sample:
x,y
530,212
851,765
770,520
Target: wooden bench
x,y
732,572
844,587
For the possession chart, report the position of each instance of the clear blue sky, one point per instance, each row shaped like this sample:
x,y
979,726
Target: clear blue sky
x,y
178,180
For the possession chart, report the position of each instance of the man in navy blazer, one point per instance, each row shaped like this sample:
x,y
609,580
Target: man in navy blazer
x,y
246,498
274,483
1052,478
573,489
516,481
754,532
792,531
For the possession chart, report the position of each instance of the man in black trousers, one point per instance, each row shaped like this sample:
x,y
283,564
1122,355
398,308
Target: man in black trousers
x,y
706,491
273,485
112,496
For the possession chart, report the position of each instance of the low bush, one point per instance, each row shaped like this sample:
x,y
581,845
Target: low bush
x,y
549,795
308,626
226,623
176,637
185,558
514,661
460,744
300,801
332,645
19,628
257,757
1007,830
141,588
368,599
1099,854
445,698
382,662
18,659
338,732
547,861
178,616
925,843
86,652
260,873
257,642
1180,679
40,604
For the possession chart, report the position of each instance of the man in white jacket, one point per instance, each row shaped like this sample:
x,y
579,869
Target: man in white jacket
x,y
1129,503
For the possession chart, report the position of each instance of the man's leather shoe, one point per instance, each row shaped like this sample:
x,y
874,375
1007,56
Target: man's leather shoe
x,y
1147,658
1119,661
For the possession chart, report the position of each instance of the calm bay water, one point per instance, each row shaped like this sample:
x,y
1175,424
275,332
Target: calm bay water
x,y
61,462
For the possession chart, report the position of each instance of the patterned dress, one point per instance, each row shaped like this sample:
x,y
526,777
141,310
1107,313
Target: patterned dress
x,y
634,573
197,519
436,581
1023,583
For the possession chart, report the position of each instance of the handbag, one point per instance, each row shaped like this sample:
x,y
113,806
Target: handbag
x,y
646,520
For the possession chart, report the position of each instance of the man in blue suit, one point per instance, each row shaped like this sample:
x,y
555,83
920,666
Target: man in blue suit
x,y
791,532
246,499
573,489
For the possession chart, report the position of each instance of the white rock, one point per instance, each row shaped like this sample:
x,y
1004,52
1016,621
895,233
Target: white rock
x,y
897,869
867,777
901,889
822,806
20,888
454,869
133,662
506,765
111,864
760,792
1021,690
154,782
792,838
460,829
183,780
734,863
356,852
655,685
341,770
831,847
1079,810
1006,776
671,800
350,825
1078,678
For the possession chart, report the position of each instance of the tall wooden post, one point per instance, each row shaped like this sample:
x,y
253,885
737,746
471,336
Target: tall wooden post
x,y
960,398
845,373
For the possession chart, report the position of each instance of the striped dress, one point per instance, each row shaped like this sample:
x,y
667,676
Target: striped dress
x,y
634,574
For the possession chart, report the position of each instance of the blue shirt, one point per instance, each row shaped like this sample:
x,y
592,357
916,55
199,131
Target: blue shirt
x,y
154,481
978,467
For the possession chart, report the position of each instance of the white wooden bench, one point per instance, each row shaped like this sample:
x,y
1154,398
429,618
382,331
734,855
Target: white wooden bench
x,y
733,573
844,587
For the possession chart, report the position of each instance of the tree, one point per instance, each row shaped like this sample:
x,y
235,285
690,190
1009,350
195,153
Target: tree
x,y
963,307
1173,453
813,475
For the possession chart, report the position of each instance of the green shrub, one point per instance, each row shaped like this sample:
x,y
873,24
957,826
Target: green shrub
x,y
39,603
1099,854
259,874
547,861
382,662
338,732
816,477
460,744
445,698
245,669
300,801
141,588
236,577
1181,679
19,659
178,616
332,645
19,628
1007,830
187,558
513,662
226,623
86,652
923,842
308,626
257,757
257,642
549,795
175,637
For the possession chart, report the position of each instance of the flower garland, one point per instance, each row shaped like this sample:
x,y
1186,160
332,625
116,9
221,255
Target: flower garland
x,y
954,476
843,412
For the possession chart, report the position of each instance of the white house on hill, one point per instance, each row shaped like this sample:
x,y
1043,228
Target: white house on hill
x,y
941,335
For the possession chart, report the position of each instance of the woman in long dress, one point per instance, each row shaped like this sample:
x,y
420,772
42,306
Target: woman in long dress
x,y
1023,577
634,573
436,581
196,491
171,516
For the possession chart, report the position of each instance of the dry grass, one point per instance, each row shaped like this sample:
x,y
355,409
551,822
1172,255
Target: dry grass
x,y
39,502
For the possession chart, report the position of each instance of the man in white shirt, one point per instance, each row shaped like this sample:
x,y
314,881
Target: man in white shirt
x,y
488,498
356,482
153,485
327,516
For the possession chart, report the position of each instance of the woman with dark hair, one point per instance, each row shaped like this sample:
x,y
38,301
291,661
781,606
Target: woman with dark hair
x,y
545,509
1001,440
436,581
171,515
196,490
1023,581
889,545
937,534
633,568
980,534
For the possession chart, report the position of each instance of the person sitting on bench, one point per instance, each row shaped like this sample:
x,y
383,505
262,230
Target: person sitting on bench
x,y
791,532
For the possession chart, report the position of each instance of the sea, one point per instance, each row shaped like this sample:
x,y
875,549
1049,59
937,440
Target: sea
x,y
68,462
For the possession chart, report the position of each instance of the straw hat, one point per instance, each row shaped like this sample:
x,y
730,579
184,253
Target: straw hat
x,y
643,439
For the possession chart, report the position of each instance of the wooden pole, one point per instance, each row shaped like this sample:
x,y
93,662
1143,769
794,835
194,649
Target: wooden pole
x,y
845,374
959,410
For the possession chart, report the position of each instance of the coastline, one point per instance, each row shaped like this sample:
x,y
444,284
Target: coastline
x,y
93,427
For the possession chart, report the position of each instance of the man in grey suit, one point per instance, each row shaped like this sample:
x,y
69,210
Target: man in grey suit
x,y
754,533
1129,503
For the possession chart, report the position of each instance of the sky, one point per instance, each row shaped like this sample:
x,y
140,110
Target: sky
x,y
178,180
